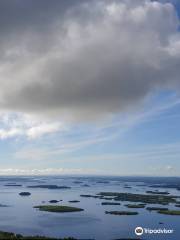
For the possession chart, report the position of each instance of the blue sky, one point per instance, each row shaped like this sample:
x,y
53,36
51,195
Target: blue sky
x,y
143,143
103,100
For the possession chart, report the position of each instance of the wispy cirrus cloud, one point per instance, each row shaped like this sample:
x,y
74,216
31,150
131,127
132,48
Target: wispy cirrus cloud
x,y
104,134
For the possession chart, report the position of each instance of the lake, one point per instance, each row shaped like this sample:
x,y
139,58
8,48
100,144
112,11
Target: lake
x,y
92,223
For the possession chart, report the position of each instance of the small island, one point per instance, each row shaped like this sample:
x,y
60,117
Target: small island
x,y
24,193
127,186
53,201
177,205
110,203
105,182
89,196
58,209
3,205
135,205
170,212
49,186
158,192
74,201
121,212
156,209
13,185
85,185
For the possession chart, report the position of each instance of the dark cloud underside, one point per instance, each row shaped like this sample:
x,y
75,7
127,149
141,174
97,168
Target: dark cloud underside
x,y
85,59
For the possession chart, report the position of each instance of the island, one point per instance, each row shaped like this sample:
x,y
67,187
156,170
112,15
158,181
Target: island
x,y
121,212
53,201
156,209
13,185
89,196
77,182
142,198
158,192
58,208
49,186
105,182
24,193
170,212
127,186
74,201
110,203
3,205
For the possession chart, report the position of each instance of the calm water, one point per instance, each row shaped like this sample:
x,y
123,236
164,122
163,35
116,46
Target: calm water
x,y
93,223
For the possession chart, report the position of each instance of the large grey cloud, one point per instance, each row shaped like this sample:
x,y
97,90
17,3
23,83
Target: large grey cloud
x,y
85,59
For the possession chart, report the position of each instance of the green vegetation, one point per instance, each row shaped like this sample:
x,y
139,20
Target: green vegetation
x,y
121,213
170,212
135,205
110,203
58,209
13,236
143,198
156,209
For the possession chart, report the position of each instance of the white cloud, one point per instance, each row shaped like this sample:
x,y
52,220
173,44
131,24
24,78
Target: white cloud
x,y
47,171
44,128
9,133
16,125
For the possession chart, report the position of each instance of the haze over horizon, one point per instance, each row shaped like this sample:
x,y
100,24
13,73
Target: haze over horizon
x,y
90,87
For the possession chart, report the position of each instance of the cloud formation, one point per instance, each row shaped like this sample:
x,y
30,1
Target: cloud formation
x,y
18,125
46,171
81,60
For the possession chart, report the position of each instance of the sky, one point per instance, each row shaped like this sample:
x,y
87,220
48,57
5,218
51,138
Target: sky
x,y
90,87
